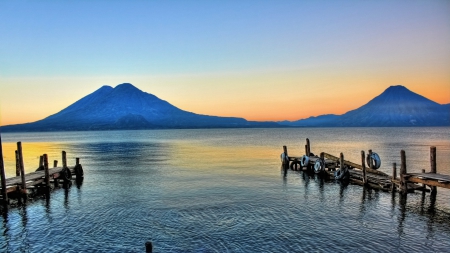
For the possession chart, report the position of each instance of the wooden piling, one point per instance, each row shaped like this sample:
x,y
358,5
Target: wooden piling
x,y
22,167
433,166
308,149
363,164
77,161
394,176
17,164
55,163
370,159
47,176
41,161
341,161
64,159
404,184
3,176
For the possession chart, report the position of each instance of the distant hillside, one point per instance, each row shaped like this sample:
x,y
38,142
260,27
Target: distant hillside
x,y
396,106
127,107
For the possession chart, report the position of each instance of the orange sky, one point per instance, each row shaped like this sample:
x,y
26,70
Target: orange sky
x,y
271,61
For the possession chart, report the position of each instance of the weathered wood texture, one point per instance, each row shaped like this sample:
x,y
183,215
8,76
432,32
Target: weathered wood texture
x,y
2,174
354,165
31,178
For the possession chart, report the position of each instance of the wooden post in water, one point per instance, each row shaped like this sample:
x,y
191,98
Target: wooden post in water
x,y
77,161
370,159
17,164
394,175
322,158
341,161
285,164
363,164
41,161
3,176
22,168
433,166
64,159
55,163
404,185
308,149
47,176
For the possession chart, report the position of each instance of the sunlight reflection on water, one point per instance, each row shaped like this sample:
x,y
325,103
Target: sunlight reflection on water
x,y
222,190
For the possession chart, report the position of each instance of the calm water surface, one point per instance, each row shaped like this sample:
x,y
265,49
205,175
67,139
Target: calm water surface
x,y
223,191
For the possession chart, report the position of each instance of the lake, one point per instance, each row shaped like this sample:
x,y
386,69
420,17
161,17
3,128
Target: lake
x,y
222,190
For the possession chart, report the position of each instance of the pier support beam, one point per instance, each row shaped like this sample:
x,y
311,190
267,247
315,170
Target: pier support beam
x,y
308,147
17,164
403,182
363,164
47,176
433,166
3,177
22,170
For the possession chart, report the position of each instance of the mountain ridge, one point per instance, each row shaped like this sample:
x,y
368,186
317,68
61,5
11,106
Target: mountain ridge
x,y
127,107
396,106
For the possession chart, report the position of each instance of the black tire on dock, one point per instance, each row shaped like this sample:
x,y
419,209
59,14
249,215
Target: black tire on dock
x,y
66,175
79,171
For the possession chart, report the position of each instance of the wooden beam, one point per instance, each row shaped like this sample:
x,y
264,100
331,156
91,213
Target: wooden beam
x,y
354,165
363,165
46,173
430,182
433,166
22,167
3,176
403,177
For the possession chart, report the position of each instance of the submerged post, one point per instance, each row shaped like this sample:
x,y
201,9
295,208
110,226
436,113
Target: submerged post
x,y
363,164
3,176
433,166
403,182
47,176
22,167
394,175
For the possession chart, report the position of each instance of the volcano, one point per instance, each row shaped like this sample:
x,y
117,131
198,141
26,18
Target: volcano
x,y
127,107
397,106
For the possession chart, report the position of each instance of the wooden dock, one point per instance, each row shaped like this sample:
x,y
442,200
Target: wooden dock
x,y
44,178
368,175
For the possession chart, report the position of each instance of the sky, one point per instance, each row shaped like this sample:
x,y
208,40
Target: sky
x,y
259,60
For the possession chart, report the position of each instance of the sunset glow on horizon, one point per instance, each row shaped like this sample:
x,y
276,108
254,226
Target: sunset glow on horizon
x,y
259,60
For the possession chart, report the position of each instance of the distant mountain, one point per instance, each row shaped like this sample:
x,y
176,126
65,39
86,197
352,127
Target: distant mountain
x,y
127,107
396,106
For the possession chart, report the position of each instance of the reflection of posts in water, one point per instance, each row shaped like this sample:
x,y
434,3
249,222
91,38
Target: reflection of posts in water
x,y
402,209
394,176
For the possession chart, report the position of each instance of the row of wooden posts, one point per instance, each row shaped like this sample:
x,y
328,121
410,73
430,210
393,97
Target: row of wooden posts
x,y
401,183
38,177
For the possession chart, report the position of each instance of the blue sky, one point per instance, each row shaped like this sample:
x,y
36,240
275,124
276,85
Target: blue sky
x,y
179,49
